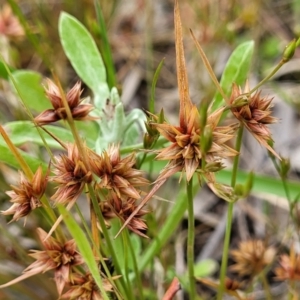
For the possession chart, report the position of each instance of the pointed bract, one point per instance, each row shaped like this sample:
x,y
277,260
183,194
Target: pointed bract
x,y
78,111
255,115
71,175
182,78
26,196
117,174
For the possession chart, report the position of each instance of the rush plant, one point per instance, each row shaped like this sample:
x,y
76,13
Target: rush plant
x,y
93,154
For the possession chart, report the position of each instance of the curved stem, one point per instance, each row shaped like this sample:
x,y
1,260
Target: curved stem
x,y
229,217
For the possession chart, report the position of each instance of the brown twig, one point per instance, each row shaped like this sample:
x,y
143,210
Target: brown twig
x,y
172,290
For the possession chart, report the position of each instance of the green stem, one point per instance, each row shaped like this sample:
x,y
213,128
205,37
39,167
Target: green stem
x,y
266,286
191,239
229,217
107,239
291,290
135,267
126,267
273,72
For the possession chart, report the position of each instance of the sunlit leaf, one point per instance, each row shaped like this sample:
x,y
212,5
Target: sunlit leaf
x,y
29,88
21,132
3,71
236,70
8,158
83,246
84,56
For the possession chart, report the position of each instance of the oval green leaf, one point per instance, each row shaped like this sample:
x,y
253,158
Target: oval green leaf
x,y
81,50
236,70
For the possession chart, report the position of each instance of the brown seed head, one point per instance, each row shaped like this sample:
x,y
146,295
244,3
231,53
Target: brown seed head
x,y
26,196
9,24
60,257
184,153
255,115
85,288
122,209
232,285
252,257
78,111
117,174
289,267
71,175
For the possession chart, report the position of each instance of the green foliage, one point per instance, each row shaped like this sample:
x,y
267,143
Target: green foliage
x,y
236,70
84,56
84,247
28,86
8,158
3,70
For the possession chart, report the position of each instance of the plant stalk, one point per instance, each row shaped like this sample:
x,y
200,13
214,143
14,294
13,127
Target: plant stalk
x,y
229,218
191,239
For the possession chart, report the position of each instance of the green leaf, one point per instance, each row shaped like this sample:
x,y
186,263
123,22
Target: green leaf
x,y
83,246
81,50
21,132
136,243
153,86
105,47
205,268
3,71
28,86
8,158
236,70
262,183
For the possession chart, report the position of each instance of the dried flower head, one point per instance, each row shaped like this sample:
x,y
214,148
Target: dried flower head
x,y
184,154
71,174
85,288
255,115
57,256
252,257
26,196
122,209
78,111
187,150
232,287
117,174
192,139
9,24
289,267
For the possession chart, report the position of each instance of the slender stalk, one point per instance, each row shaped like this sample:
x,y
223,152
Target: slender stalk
x,y
135,267
24,166
209,67
229,218
95,231
107,238
126,242
191,239
266,286
272,73
291,290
